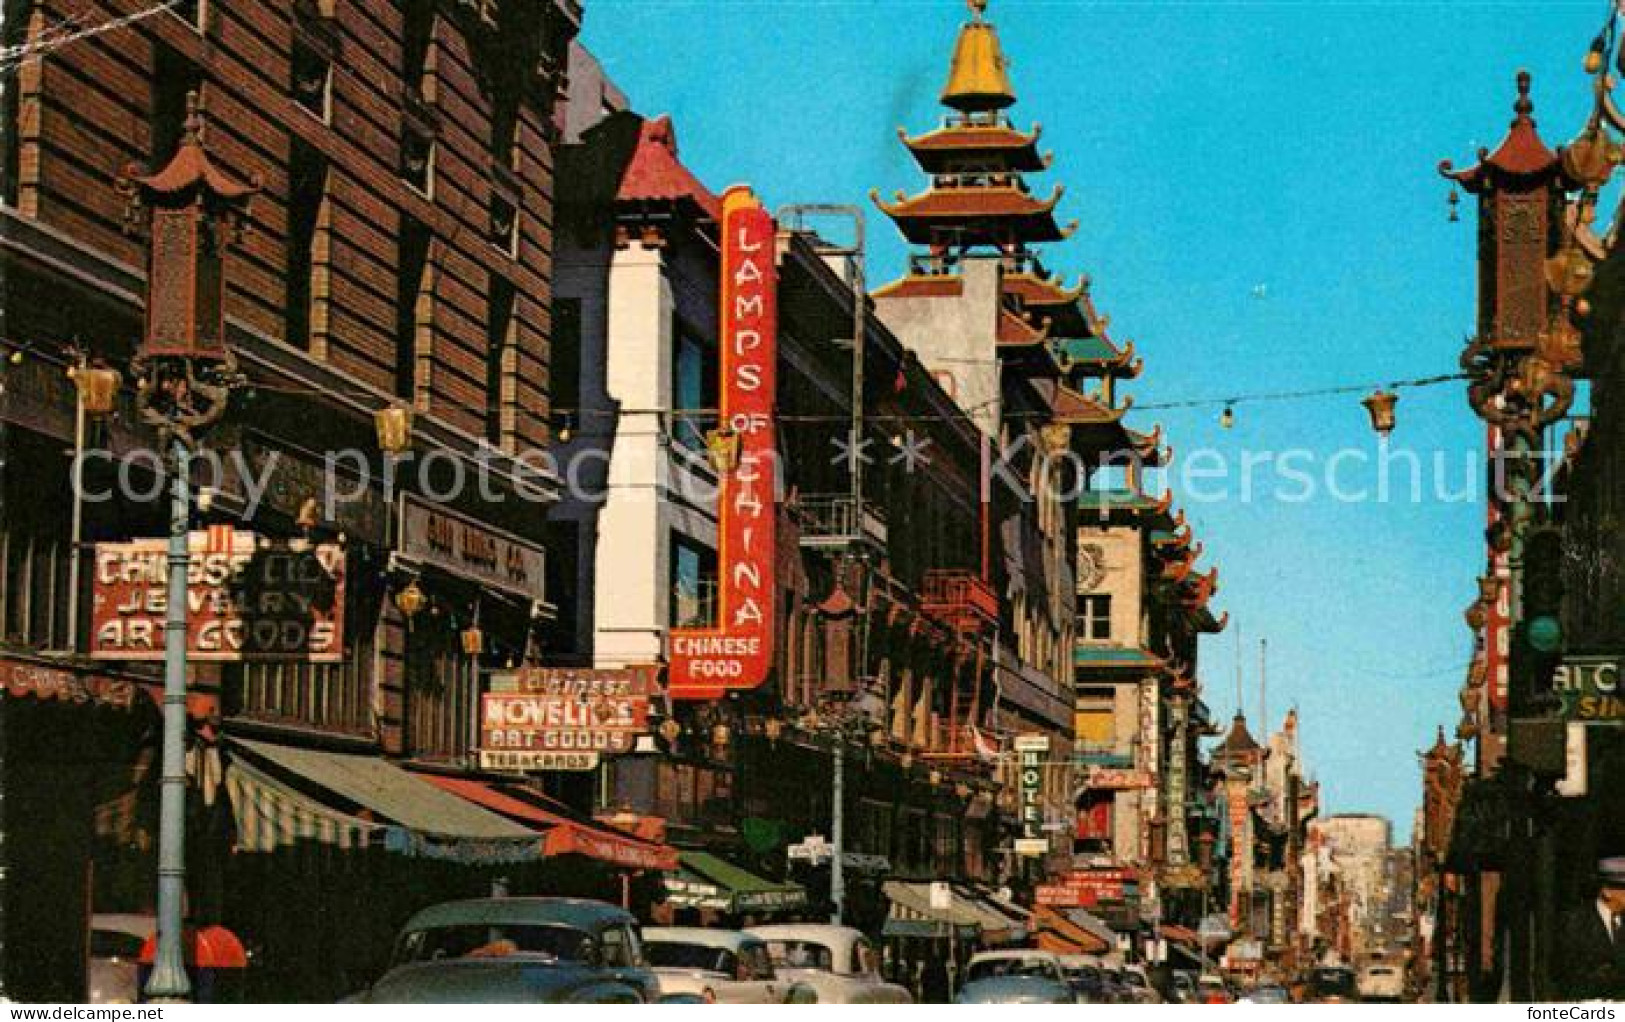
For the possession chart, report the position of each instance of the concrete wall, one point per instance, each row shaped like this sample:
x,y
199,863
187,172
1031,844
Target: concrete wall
x,y
956,339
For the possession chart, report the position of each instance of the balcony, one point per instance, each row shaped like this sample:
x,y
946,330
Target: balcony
x,y
960,598
837,522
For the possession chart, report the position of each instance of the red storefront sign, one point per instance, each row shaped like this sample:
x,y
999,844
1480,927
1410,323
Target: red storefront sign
x,y
738,652
244,601
1087,888
545,713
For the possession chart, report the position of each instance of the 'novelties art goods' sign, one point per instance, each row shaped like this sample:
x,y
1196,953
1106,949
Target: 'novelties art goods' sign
x,y
738,651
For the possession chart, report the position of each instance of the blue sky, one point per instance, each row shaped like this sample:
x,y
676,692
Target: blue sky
x,y
1209,150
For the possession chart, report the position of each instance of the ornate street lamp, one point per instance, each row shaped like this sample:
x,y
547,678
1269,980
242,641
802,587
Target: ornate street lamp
x,y
393,426
185,373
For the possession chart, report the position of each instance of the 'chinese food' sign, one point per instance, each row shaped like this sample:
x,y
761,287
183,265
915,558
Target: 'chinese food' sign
x,y
561,718
244,600
738,651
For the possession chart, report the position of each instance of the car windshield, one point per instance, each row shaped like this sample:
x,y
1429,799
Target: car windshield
x,y
664,954
801,954
988,968
1134,979
559,943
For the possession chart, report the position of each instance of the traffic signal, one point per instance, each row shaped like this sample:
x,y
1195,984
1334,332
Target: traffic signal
x,y
1537,637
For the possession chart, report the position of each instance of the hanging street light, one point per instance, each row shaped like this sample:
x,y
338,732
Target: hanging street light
x,y
1380,406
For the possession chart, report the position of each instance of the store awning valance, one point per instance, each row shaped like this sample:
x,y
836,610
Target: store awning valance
x,y
1055,932
410,816
912,914
561,835
703,880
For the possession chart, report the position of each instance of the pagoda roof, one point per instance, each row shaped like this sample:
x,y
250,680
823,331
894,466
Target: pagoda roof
x,y
1016,331
1521,158
992,214
1072,408
1150,448
1239,743
191,167
1129,657
995,145
655,174
1119,499
923,285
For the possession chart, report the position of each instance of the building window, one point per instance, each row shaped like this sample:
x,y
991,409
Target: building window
x,y
193,12
694,389
504,226
312,84
308,243
501,353
1095,617
693,584
174,77
417,48
505,129
564,361
417,159
414,305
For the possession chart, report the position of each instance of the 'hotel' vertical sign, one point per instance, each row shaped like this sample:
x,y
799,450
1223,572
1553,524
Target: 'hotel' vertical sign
x,y
738,652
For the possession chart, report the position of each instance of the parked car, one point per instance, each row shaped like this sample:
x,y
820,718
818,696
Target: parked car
x,y
1381,982
114,971
1184,984
720,966
837,962
1333,984
1083,973
1139,985
516,951
1212,989
1267,993
1015,976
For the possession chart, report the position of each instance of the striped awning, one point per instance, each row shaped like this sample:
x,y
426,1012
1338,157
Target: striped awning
x,y
912,915
270,815
413,817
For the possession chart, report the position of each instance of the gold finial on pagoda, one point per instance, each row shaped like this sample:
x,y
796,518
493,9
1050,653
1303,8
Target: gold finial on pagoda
x,y
977,80
192,129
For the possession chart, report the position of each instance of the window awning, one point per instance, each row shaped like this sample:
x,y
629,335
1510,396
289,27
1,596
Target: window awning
x,y
408,815
705,881
562,835
912,914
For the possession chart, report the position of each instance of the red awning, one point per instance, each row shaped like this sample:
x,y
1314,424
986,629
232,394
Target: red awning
x,y
211,947
562,835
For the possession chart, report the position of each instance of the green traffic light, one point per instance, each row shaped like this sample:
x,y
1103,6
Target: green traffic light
x,y
1545,633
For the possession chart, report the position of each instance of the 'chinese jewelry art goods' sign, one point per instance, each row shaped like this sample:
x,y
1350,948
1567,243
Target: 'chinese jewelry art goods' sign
x,y
738,652
244,600
561,718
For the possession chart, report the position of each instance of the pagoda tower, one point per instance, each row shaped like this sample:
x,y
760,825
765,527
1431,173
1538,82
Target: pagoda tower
x,y
977,302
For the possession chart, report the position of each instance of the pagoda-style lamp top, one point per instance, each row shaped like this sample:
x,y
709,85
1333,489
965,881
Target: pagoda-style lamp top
x,y
977,77
196,210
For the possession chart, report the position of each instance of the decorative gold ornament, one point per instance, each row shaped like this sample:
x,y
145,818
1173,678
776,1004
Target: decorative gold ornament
x,y
410,600
393,426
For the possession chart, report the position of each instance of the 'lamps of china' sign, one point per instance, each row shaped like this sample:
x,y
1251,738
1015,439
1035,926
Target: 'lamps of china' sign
x,y
245,600
562,718
738,651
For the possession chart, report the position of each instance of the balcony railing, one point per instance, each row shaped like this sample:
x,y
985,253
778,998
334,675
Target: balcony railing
x,y
959,597
837,520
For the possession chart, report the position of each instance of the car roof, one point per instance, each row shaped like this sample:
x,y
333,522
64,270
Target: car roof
x,y
1016,953
577,913
731,940
834,936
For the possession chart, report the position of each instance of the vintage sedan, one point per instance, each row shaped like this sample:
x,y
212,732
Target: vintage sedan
x,y
837,962
517,951
1016,976
720,966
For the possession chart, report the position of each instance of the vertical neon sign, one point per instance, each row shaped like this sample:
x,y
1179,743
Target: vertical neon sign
x,y
737,652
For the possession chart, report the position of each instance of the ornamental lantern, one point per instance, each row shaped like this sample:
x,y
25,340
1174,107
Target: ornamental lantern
x,y
1380,406
722,449
393,425
196,210
98,388
410,601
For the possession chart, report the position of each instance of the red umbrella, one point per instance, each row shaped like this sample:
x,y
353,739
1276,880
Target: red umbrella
x,y
212,947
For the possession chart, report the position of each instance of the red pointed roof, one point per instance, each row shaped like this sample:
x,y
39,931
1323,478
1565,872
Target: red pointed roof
x,y
655,174
191,167
921,285
1072,408
1521,155
1016,332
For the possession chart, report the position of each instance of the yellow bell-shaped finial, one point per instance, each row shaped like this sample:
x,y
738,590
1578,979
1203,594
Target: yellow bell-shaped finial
x,y
977,80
